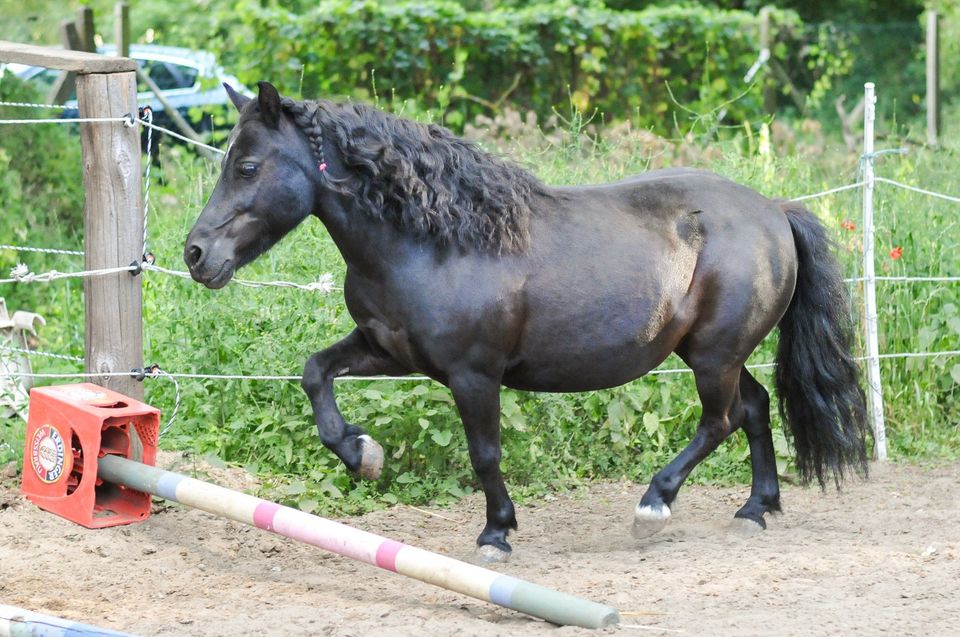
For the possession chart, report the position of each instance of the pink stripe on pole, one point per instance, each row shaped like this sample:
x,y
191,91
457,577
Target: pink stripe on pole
x,y
387,555
263,515
327,534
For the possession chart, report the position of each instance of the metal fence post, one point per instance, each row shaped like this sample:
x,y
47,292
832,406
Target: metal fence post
x,y
874,389
933,78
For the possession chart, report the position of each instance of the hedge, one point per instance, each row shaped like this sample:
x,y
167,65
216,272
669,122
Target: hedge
x,y
650,65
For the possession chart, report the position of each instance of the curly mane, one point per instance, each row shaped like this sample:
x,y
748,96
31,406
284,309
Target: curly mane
x,y
421,177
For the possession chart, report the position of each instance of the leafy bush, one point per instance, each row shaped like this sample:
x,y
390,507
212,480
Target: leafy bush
x,y
41,199
623,64
41,196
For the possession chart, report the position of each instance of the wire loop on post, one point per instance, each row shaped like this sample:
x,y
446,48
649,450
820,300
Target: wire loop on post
x,y
146,116
154,371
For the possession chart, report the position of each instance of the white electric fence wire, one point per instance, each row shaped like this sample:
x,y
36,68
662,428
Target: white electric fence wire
x,y
182,137
922,191
4,246
67,375
829,192
324,284
36,105
22,274
65,120
278,377
908,279
33,352
953,352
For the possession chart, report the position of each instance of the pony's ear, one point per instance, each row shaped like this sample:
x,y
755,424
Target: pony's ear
x,y
269,100
238,100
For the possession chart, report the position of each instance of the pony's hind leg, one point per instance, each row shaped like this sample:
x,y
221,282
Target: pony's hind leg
x,y
353,355
720,395
765,490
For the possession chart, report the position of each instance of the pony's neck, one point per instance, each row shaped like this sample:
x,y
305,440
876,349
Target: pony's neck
x,y
367,244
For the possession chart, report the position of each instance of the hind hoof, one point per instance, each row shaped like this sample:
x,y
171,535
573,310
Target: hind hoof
x,y
371,458
489,554
649,520
745,527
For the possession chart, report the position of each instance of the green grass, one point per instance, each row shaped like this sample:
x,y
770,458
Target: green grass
x,y
551,441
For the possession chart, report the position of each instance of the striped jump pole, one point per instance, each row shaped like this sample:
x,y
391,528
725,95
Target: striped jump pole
x,y
446,572
19,622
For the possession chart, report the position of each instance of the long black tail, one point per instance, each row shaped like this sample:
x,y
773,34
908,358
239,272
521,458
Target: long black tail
x,y
817,378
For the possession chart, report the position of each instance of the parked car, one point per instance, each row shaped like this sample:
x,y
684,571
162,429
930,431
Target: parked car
x,y
191,81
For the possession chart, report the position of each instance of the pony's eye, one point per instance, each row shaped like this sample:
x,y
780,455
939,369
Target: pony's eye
x,y
248,169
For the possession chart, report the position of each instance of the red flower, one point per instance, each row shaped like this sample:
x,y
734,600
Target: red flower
x,y
846,224
896,253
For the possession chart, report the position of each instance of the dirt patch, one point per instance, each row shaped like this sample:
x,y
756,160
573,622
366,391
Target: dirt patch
x,y
880,558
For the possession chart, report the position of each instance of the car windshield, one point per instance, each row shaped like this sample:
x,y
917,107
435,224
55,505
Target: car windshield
x,y
167,75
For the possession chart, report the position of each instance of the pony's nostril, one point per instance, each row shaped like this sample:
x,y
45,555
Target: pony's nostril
x,y
193,255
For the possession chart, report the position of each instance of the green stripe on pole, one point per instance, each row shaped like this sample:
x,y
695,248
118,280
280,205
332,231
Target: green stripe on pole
x,y
561,608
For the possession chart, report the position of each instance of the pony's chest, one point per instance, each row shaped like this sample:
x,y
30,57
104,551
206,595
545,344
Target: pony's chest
x,y
382,316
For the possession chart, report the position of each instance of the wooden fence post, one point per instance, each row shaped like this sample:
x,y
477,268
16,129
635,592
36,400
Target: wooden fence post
x,y
121,28
86,29
63,87
112,229
933,78
112,212
766,42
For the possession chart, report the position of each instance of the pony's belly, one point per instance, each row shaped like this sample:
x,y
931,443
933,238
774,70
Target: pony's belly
x,y
586,371
609,342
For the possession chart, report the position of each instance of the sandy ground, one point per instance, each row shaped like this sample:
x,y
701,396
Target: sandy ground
x,y
880,558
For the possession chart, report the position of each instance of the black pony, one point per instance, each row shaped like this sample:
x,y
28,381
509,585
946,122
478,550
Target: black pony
x,y
466,268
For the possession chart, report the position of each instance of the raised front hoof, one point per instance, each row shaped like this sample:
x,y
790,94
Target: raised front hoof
x,y
490,554
747,526
371,458
648,520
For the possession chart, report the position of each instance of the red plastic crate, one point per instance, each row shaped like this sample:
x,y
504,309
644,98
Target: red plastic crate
x,y
68,428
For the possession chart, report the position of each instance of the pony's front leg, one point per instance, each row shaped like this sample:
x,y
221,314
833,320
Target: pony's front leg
x,y
353,355
478,400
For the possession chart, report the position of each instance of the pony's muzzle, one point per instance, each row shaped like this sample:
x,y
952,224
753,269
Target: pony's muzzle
x,y
213,273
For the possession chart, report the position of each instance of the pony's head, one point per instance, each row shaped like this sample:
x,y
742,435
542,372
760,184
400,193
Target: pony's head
x,y
419,178
267,186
